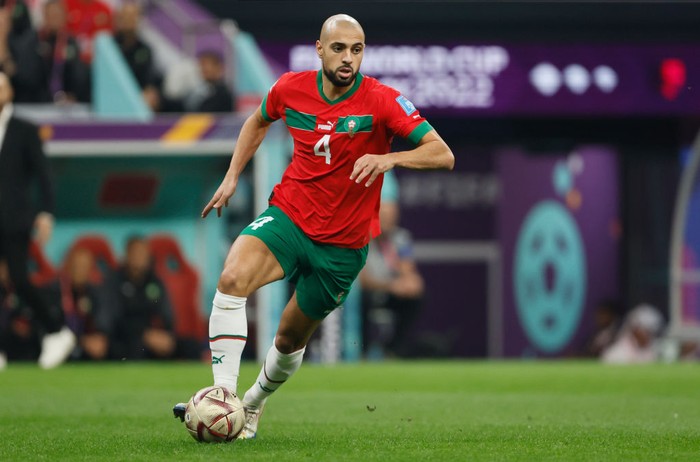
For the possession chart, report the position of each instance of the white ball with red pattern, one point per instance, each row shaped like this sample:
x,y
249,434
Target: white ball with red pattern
x,y
214,415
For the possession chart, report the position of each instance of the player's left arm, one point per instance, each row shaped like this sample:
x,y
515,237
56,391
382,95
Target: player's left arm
x,y
430,153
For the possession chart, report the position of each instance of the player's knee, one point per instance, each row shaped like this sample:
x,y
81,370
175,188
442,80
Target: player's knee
x,y
233,281
287,344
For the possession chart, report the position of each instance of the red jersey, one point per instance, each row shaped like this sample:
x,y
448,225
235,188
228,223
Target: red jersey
x,y
329,136
85,18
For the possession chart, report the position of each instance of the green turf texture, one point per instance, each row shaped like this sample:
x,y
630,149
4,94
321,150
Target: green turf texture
x,y
442,411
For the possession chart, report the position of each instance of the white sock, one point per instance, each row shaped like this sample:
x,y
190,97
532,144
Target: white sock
x,y
276,369
228,332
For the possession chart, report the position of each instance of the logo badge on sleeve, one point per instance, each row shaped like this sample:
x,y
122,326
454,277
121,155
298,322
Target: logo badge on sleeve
x,y
406,105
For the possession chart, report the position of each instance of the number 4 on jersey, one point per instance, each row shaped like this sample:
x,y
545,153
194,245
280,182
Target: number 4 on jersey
x,y
323,148
260,222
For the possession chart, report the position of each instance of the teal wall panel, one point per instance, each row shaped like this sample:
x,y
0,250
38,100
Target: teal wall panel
x,y
115,92
183,187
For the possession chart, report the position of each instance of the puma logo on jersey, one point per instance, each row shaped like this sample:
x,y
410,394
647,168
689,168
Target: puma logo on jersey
x,y
327,126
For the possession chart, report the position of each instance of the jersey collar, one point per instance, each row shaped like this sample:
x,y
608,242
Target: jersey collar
x,y
348,94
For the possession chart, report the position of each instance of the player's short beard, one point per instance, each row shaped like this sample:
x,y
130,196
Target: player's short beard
x,y
331,76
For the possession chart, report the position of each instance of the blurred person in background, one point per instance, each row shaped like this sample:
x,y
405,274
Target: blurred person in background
x,y
212,94
137,54
637,339
23,166
84,306
19,56
18,333
65,77
85,19
390,281
144,327
607,325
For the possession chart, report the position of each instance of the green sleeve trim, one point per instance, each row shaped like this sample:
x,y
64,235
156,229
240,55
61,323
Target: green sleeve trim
x,y
263,108
419,132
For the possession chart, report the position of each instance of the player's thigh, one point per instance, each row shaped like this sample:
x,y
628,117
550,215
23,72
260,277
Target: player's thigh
x,y
268,249
327,285
249,265
295,328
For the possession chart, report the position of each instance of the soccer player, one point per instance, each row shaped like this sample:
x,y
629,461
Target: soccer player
x,y
324,211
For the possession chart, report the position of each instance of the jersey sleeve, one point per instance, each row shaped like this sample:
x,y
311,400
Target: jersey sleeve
x,y
403,118
272,106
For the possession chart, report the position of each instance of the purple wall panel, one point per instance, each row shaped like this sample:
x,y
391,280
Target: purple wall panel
x,y
454,319
589,196
452,205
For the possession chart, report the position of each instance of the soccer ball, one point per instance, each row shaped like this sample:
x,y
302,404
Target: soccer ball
x,y
214,415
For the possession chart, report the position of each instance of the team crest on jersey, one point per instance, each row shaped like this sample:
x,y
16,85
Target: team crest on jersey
x,y
352,123
406,105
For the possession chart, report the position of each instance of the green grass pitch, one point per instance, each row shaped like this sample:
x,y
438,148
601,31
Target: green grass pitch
x,y
442,411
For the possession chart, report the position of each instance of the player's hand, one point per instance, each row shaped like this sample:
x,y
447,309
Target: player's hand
x,y
369,167
221,197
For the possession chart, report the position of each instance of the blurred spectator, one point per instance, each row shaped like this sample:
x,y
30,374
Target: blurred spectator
x,y
143,316
688,350
685,349
392,287
25,172
136,53
21,16
19,57
85,19
84,306
19,338
212,94
607,324
637,340
65,78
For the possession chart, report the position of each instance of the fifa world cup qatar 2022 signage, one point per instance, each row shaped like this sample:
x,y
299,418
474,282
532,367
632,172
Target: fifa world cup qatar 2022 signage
x,y
501,79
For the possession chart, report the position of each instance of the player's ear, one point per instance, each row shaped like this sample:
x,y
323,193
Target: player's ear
x,y
319,49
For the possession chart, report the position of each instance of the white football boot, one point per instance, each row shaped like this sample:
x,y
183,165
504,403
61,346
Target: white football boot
x,y
56,347
252,417
3,361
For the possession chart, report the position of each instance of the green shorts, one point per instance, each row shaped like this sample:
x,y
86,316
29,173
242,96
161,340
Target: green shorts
x,y
323,273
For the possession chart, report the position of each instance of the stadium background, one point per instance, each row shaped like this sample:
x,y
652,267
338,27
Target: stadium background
x,y
597,136
601,161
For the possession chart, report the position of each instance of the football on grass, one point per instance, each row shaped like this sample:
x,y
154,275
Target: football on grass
x,y
214,415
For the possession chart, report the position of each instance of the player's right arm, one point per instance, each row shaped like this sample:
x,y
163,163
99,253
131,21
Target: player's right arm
x,y
252,134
